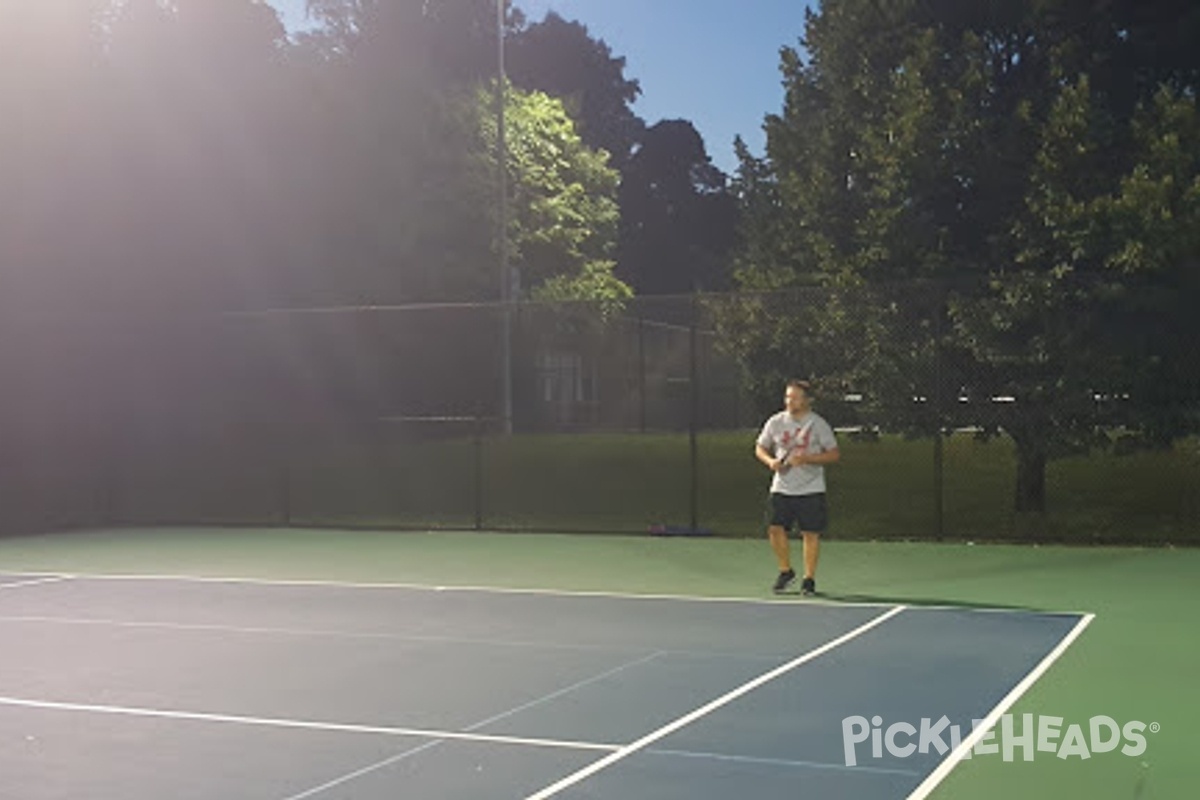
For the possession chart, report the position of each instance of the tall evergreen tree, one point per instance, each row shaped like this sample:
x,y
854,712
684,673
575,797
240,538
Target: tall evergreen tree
x,y
1010,149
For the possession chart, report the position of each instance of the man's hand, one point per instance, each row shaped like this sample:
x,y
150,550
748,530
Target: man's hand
x,y
768,460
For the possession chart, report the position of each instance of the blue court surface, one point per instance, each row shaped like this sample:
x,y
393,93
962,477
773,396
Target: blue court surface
x,y
132,688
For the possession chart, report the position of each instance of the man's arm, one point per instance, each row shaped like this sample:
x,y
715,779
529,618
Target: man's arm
x,y
817,459
764,455
761,451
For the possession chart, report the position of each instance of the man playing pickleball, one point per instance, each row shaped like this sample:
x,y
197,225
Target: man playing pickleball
x,y
796,444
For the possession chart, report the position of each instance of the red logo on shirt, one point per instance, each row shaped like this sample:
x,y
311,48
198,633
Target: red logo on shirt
x,y
801,441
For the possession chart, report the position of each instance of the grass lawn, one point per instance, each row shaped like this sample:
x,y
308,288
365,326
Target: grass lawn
x,y
625,483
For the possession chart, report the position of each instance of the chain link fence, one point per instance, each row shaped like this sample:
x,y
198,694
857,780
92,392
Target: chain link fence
x,y
635,420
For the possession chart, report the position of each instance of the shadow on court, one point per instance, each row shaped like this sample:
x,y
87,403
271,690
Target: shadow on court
x,y
925,602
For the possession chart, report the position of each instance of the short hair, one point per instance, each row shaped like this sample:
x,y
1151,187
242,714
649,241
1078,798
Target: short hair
x,y
803,385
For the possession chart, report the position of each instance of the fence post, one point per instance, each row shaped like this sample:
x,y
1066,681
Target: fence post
x,y
693,422
641,356
939,471
477,436
284,453
939,409
283,433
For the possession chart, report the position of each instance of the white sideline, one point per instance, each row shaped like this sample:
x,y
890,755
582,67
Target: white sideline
x,y
703,711
34,581
951,761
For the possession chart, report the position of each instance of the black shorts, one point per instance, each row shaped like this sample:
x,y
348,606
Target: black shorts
x,y
805,512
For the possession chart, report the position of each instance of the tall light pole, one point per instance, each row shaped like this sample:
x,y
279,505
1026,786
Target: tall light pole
x,y
505,276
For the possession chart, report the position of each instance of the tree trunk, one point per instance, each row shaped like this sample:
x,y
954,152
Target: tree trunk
x,y
1031,478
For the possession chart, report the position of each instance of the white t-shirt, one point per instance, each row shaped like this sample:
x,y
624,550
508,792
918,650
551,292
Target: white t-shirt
x,y
810,434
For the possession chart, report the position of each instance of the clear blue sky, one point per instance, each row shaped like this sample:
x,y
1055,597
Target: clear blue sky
x,y
714,62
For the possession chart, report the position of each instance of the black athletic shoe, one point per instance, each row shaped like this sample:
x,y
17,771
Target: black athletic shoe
x,y
808,587
785,580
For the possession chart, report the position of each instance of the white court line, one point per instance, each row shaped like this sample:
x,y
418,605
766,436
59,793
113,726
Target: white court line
x,y
540,592
784,762
333,727
367,770
726,699
206,627
567,690
521,644
34,581
951,761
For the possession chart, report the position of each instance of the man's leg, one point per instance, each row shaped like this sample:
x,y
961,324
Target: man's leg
x,y
814,518
812,553
777,531
779,543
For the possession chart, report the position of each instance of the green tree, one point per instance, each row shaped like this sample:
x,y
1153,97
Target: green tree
x,y
1023,155
412,189
434,43
678,220
563,210
561,58
49,53
197,173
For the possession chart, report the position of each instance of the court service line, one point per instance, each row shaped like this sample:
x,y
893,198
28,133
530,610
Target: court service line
x,y
387,762
512,712
297,724
367,770
35,581
542,592
951,761
724,700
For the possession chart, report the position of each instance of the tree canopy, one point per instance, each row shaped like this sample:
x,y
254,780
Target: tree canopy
x,y
562,59
678,223
191,154
1033,158
978,200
